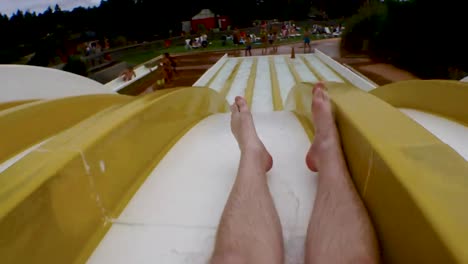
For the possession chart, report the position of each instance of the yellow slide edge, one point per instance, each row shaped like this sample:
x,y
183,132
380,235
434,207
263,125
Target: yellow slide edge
x,y
58,202
27,124
413,185
441,97
6,105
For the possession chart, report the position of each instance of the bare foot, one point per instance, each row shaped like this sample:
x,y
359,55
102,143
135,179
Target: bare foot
x,y
243,128
326,133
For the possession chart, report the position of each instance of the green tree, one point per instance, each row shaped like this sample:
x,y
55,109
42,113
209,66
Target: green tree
x,y
421,36
57,9
75,65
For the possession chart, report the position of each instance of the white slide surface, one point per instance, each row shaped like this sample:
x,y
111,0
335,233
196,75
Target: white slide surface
x,y
25,82
174,215
451,133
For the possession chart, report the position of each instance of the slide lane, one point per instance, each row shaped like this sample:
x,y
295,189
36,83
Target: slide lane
x,y
174,215
265,81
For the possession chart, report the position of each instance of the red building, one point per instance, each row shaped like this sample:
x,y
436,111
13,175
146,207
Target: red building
x,y
209,20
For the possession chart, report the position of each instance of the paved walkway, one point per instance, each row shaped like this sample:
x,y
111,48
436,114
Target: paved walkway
x,y
380,73
191,67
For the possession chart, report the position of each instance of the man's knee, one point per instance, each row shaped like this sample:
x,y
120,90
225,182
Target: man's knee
x,y
228,258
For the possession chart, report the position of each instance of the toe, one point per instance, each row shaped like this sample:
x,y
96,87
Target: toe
x,y
321,85
320,94
242,104
317,86
234,108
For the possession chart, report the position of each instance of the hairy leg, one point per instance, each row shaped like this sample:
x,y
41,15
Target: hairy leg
x,y
250,229
340,230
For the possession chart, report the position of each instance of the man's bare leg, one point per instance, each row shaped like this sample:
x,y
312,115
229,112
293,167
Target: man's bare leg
x,y
340,230
250,229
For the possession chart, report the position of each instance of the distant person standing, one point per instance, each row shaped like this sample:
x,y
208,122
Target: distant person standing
x,y
264,40
235,37
106,44
306,40
87,50
273,42
167,69
187,44
248,46
170,62
204,40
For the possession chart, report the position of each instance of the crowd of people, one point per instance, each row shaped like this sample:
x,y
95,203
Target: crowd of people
x,y
196,43
269,37
269,34
95,51
266,39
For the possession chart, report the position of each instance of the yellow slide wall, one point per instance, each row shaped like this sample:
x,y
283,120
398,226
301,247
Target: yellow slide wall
x,y
440,97
7,105
414,186
57,203
27,124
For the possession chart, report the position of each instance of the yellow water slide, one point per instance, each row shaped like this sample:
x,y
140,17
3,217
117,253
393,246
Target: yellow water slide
x,y
108,178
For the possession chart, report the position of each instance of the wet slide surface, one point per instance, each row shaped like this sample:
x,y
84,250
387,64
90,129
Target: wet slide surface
x,y
174,215
451,133
262,75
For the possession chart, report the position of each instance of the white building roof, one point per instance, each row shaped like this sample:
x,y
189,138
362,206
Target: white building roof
x,y
204,13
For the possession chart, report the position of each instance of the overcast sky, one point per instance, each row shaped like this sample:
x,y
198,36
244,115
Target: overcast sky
x,y
10,6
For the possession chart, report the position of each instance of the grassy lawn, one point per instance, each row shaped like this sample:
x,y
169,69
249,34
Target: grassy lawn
x,y
139,57
136,57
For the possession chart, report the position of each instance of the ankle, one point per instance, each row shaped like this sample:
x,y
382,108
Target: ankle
x,y
327,141
258,155
252,149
